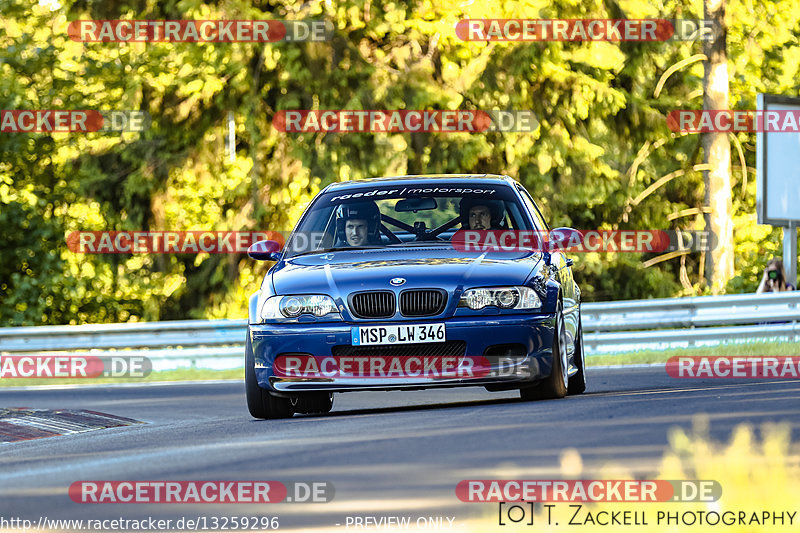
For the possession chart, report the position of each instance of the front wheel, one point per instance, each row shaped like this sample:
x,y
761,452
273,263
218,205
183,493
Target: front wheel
x,y
260,402
555,386
577,383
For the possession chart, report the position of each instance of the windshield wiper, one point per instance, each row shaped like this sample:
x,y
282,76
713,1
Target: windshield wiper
x,y
422,243
337,249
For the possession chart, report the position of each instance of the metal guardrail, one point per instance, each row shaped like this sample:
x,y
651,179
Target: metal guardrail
x,y
609,327
629,325
168,334
217,344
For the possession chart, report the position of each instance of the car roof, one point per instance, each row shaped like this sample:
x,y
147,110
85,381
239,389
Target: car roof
x,y
424,179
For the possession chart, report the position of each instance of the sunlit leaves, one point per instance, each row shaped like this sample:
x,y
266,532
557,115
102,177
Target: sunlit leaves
x,y
595,103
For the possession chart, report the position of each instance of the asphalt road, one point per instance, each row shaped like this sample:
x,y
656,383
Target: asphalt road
x,y
386,453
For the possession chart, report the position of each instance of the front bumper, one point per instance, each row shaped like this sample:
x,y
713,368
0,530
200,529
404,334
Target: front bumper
x,y
532,336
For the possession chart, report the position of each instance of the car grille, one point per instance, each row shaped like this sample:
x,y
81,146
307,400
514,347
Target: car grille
x,y
422,302
433,349
378,304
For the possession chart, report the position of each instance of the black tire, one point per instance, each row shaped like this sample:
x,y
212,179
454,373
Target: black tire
x,y
555,386
577,383
260,402
313,403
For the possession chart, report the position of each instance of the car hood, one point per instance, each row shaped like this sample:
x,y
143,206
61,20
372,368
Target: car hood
x,y
341,273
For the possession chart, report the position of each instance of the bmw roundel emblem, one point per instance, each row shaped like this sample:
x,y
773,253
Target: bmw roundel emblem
x,y
397,281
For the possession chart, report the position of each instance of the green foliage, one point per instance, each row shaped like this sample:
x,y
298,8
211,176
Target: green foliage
x,y
601,143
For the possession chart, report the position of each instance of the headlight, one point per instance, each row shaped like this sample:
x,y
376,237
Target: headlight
x,y
318,305
502,297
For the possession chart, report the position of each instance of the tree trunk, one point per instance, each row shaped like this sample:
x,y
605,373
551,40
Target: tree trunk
x,y
717,152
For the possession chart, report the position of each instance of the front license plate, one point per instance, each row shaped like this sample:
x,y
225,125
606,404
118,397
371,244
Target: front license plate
x,y
403,334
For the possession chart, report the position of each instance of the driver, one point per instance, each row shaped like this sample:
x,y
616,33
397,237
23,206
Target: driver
x,y
479,214
358,224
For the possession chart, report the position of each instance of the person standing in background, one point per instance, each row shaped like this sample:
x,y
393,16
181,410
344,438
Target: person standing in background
x,y
774,278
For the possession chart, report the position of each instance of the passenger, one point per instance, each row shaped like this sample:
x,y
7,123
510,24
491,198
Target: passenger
x,y
358,224
481,214
774,278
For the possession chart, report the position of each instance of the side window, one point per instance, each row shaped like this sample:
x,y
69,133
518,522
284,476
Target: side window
x,y
538,219
515,216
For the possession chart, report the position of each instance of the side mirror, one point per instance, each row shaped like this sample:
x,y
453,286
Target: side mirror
x,y
265,251
561,239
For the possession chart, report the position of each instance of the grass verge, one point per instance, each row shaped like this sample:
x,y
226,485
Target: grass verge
x,y
183,374
750,349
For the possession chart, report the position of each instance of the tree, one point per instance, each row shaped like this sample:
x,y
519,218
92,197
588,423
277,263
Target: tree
x,y
717,152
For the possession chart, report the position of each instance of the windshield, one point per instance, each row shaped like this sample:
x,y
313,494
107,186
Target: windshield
x,y
396,215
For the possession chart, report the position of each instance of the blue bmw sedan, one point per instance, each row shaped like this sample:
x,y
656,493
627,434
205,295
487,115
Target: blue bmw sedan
x,y
377,289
